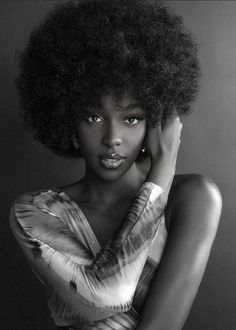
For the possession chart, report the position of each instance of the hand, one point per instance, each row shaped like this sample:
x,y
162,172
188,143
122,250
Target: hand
x,y
163,146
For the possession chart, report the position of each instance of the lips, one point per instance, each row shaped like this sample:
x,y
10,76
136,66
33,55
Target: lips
x,y
112,156
111,161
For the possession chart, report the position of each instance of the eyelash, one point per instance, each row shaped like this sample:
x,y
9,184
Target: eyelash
x,y
91,121
138,118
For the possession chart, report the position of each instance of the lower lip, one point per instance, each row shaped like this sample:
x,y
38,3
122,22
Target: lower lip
x,y
111,163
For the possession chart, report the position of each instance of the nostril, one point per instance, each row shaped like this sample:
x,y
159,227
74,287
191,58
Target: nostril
x,y
112,140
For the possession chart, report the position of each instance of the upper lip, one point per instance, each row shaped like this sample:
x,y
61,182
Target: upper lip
x,y
112,156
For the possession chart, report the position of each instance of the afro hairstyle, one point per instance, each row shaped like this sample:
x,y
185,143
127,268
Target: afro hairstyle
x,y
86,48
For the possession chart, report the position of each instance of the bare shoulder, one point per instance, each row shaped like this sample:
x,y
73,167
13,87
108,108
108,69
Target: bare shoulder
x,y
196,184
192,193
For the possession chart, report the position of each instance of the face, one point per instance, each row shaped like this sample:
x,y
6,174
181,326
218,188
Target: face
x,y
111,136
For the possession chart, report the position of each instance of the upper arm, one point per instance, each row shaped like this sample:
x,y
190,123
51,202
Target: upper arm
x,y
196,194
58,259
194,204
194,208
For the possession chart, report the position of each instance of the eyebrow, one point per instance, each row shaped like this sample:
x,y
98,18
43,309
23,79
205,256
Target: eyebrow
x,y
131,106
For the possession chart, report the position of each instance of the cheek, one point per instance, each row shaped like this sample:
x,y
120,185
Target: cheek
x,y
141,134
144,131
88,145
86,139
137,137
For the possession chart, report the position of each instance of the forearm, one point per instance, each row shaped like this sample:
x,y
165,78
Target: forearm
x,y
171,295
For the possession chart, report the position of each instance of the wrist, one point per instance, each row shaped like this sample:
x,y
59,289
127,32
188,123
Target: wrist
x,y
161,174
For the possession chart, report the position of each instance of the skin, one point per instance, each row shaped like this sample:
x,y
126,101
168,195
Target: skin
x,y
101,192
113,128
192,212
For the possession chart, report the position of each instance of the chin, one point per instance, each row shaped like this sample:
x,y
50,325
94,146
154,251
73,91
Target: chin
x,y
110,174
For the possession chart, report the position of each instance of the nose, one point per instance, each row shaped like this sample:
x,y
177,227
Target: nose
x,y
112,135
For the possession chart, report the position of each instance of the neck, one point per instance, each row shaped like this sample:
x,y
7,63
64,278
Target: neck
x,y
96,190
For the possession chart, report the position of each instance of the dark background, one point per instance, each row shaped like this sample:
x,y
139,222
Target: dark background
x,y
208,147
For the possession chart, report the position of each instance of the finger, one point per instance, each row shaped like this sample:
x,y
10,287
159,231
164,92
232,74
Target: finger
x,y
171,118
159,129
173,115
153,130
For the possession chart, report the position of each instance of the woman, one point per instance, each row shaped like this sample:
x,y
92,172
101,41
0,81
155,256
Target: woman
x,y
126,246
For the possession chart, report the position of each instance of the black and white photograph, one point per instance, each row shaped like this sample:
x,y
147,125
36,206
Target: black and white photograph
x,y
118,164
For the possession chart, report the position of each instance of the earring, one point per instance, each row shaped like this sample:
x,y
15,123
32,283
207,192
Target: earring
x,y
75,142
143,150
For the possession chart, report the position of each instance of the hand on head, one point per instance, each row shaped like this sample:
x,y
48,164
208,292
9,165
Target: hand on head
x,y
163,146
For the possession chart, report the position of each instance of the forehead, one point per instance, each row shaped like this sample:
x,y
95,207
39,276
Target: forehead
x,y
119,103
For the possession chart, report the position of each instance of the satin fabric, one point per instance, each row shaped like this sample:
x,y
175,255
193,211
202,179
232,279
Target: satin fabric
x,y
89,286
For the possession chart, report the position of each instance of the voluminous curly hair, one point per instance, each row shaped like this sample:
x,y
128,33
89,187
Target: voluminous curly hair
x,y
84,49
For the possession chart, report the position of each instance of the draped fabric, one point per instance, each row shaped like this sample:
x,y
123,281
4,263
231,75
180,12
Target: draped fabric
x,y
89,286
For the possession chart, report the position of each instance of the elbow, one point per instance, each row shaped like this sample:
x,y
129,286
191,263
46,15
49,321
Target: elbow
x,y
119,299
112,294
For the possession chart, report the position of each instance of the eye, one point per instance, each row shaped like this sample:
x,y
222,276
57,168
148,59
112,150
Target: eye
x,y
134,120
94,119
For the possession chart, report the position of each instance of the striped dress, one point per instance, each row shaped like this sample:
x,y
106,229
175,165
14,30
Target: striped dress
x,y
89,286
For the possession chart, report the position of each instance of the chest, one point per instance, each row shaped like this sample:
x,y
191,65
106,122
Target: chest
x,y
105,222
